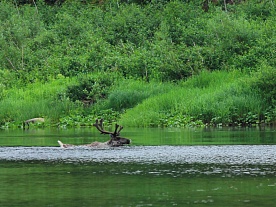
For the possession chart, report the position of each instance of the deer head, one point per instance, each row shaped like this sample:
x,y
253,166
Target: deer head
x,y
115,139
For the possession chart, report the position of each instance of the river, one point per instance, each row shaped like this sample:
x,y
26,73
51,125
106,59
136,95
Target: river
x,y
162,167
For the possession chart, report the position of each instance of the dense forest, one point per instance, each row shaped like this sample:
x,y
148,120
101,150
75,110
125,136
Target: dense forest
x,y
143,63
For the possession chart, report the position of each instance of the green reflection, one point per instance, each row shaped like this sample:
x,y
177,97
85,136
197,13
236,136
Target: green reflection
x,y
142,136
117,184
38,183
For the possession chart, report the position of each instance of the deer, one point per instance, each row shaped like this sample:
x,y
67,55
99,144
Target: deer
x,y
115,139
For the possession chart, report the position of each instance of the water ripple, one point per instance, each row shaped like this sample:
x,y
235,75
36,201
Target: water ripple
x,y
232,154
173,161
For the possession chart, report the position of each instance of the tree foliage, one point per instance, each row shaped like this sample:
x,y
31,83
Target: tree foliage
x,y
163,40
153,41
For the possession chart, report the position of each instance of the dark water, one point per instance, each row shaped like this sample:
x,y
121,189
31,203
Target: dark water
x,y
162,167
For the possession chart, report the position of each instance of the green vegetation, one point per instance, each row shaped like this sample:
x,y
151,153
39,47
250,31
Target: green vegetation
x,y
35,100
218,98
158,63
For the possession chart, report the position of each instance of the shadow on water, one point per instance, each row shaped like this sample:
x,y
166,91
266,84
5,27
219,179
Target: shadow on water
x,y
163,167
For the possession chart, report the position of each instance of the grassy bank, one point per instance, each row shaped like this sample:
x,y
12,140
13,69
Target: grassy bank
x,y
212,98
36,100
218,98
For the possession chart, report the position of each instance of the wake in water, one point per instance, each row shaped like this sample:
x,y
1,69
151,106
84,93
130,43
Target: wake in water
x,y
92,145
232,154
192,160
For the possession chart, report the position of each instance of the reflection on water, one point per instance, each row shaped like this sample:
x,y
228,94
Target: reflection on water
x,y
39,183
205,136
163,167
142,136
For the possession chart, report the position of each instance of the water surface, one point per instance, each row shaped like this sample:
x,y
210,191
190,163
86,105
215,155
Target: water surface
x,y
162,167
142,136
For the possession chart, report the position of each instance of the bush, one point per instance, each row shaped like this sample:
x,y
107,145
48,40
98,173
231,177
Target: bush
x,y
90,88
265,82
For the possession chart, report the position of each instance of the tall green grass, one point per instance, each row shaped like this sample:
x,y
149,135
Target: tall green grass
x,y
36,100
213,98
129,92
210,98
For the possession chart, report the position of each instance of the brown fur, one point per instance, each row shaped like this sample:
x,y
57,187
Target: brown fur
x,y
110,143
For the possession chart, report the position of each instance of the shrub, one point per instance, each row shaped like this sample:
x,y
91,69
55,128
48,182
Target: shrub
x,y
90,88
265,82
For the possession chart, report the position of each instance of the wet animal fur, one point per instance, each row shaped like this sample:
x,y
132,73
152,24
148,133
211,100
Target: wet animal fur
x,y
110,143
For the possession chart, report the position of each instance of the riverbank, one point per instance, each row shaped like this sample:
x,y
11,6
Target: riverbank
x,y
212,98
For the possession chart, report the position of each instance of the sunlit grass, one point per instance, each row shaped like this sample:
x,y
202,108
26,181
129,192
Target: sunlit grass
x,y
215,98
35,100
131,92
212,98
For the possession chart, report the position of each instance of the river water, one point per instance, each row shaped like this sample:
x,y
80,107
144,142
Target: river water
x,y
162,167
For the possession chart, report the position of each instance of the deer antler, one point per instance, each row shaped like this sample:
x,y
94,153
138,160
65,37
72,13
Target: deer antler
x,y
99,125
118,133
115,140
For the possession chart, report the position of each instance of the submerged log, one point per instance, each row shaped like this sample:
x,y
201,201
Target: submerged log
x,y
33,120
